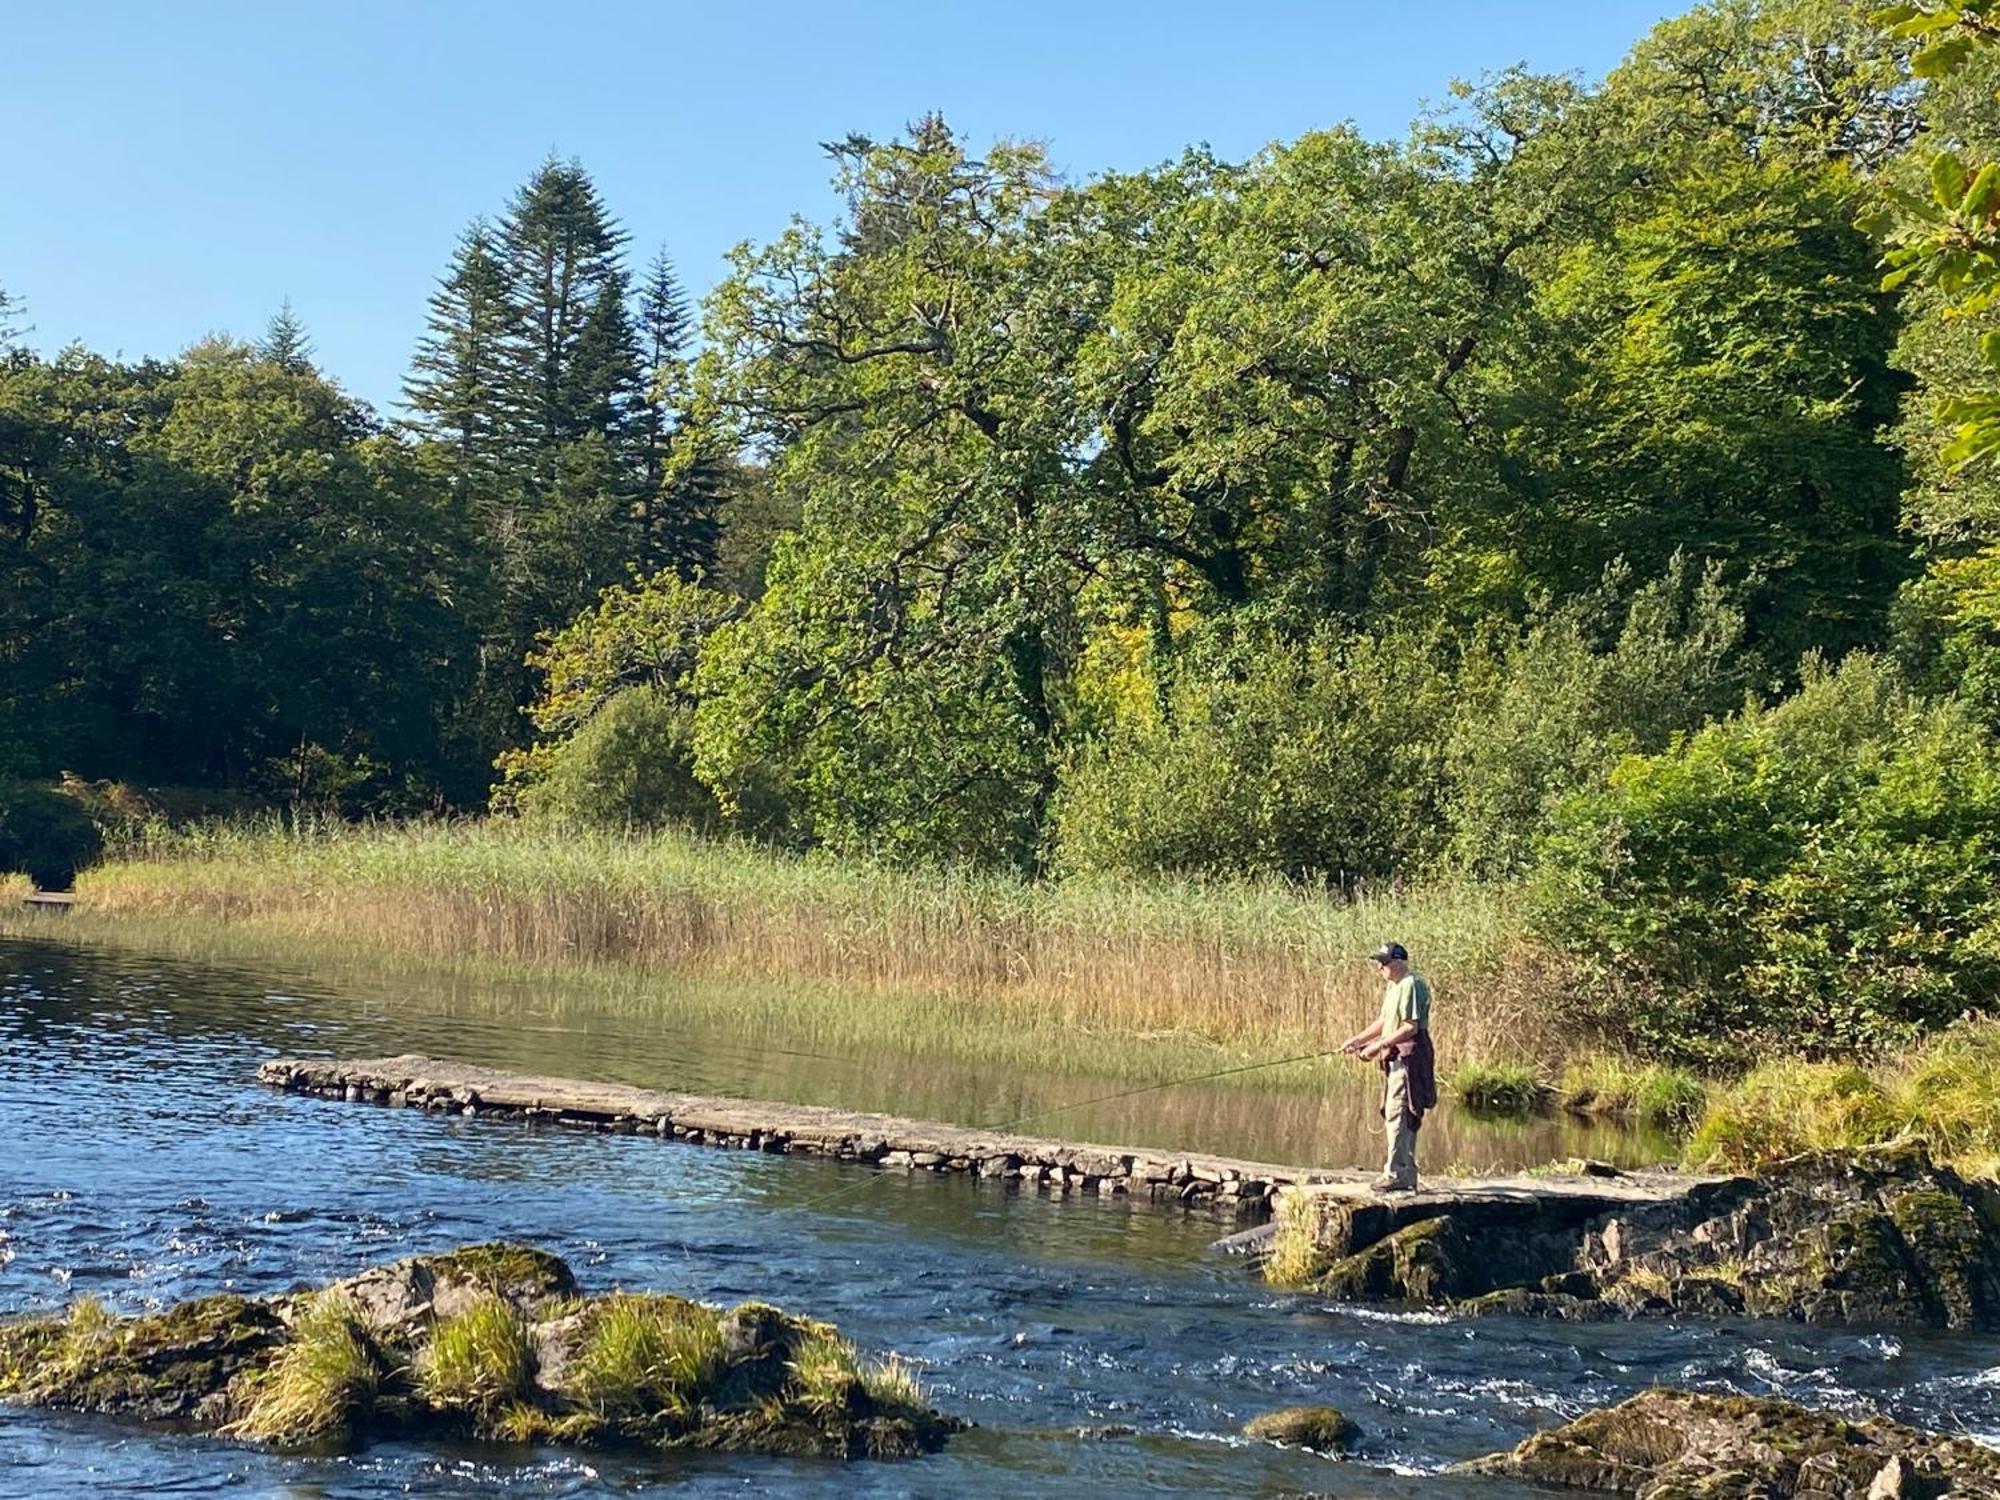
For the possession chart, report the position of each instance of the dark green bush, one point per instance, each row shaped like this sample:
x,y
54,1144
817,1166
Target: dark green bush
x,y
1318,759
631,762
1823,874
45,835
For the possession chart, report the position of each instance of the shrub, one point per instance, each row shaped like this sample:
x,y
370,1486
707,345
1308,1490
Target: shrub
x,y
629,764
46,835
1541,713
1322,759
1820,875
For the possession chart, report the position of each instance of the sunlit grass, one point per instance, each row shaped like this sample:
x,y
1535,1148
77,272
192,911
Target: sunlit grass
x,y
648,1353
480,1359
319,1385
1667,1098
1246,964
1509,1089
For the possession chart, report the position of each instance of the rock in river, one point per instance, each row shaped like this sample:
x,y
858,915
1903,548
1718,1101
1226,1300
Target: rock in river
x,y
1881,1237
1324,1429
490,1341
1665,1445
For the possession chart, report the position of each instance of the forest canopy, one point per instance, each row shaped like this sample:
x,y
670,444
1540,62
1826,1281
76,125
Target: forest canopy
x,y
1361,511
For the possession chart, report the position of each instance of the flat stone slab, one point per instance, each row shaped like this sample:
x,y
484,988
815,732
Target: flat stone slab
x,y
1245,1189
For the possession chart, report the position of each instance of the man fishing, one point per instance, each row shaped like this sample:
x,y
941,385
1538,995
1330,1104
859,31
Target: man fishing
x,y
1399,1042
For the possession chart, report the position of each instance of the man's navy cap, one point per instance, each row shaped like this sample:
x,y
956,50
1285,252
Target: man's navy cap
x,y
1390,953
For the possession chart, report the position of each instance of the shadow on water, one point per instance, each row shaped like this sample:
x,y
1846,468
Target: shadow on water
x,y
144,1165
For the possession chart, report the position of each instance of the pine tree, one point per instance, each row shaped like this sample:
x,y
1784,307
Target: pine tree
x,y
570,365
678,512
457,378
10,312
664,331
285,343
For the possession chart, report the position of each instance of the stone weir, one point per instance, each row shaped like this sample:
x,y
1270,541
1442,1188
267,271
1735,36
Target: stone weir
x,y
1243,1190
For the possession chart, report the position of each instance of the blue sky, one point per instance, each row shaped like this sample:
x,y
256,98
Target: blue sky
x,y
185,168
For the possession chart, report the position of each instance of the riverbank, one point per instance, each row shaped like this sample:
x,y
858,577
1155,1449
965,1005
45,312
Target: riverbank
x,y
1256,965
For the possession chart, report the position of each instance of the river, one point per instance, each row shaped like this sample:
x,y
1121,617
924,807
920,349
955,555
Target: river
x,y
1096,1344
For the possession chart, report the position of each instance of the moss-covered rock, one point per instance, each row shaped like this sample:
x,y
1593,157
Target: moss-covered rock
x,y
1324,1429
1678,1443
181,1364
492,1341
1878,1237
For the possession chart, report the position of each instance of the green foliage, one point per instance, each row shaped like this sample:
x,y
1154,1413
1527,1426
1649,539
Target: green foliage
x,y
1783,1108
629,765
1948,631
1821,874
616,714
1507,1089
1322,759
46,835
1655,1094
1535,715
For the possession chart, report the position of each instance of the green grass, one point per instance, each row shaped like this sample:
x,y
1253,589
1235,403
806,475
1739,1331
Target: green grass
x,y
1511,1090
648,1353
1666,1098
1295,1260
480,1359
320,1384
1943,1094
892,1383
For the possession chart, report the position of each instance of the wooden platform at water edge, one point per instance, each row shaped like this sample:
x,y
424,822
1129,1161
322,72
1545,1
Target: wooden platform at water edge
x,y
1243,1190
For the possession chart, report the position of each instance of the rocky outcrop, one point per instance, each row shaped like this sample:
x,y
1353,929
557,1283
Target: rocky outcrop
x,y
1664,1445
490,1341
1880,1237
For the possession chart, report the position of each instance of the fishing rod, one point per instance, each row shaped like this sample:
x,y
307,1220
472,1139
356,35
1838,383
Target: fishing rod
x,y
1150,1088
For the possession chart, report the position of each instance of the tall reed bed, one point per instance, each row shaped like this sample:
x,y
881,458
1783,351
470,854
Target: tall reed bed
x,y
1262,963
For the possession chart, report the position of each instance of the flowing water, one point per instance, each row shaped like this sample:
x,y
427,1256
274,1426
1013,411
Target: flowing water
x,y
1096,1344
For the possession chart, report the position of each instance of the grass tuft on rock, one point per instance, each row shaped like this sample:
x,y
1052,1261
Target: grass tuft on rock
x,y
647,1352
320,1385
480,1359
1295,1259
892,1384
1507,1089
824,1369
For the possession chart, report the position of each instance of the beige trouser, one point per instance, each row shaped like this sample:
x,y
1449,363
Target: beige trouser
x,y
1400,1127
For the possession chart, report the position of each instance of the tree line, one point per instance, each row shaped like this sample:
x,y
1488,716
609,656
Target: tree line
x,y
1558,492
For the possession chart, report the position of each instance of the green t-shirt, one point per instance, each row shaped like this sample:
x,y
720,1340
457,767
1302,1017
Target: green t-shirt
x,y
1406,999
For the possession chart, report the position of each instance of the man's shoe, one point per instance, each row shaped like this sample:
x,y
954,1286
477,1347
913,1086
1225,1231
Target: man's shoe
x,y
1388,1184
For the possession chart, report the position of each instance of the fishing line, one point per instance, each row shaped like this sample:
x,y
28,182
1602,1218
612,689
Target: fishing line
x,y
875,1172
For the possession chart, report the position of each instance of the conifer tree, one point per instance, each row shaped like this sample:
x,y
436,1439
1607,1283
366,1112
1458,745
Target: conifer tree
x,y
285,343
11,328
678,521
570,368
456,379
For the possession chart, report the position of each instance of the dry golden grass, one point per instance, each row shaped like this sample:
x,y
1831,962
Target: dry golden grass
x,y
1262,963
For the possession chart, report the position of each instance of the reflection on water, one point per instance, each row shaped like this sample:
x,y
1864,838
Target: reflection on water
x,y
660,1033
141,1163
